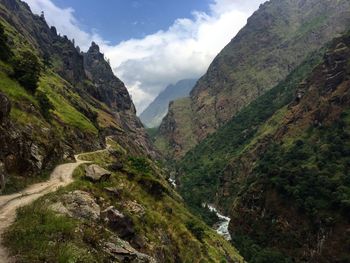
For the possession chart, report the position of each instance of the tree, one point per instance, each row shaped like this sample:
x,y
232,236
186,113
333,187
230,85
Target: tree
x,y
5,52
45,104
27,69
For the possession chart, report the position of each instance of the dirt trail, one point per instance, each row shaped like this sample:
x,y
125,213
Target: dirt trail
x,y
61,176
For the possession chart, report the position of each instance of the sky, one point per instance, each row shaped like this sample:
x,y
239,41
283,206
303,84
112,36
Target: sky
x,y
150,43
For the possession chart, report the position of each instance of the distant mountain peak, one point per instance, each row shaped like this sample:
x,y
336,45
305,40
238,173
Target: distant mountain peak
x,y
156,111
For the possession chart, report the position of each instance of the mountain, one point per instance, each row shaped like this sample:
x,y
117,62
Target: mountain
x,y
62,114
276,39
118,205
152,116
279,168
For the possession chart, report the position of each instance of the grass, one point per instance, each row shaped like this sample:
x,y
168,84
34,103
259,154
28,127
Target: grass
x,y
40,235
164,223
14,90
54,88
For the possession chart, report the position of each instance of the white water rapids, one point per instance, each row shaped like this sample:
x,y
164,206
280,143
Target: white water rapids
x,y
221,227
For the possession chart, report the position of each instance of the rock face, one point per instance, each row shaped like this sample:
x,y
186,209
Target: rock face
x,y
178,126
96,173
123,252
120,223
79,205
276,39
152,116
107,87
82,206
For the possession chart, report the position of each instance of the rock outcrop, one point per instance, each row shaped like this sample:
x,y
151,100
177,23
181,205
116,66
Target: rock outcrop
x,y
96,173
78,204
82,206
123,252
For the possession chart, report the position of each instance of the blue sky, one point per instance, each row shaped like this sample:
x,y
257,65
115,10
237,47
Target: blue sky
x,y
119,20
150,43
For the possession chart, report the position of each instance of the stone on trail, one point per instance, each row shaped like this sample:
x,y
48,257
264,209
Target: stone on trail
x,y
96,173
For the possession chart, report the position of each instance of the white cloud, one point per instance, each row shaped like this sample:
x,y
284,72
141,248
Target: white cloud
x,y
149,64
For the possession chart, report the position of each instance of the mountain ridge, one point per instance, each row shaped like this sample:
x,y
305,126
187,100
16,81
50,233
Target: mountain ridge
x,y
276,39
155,112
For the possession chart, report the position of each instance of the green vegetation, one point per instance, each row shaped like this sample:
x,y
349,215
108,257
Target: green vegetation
x,y
172,233
40,235
184,117
310,173
152,133
200,168
59,94
27,69
313,171
44,103
5,51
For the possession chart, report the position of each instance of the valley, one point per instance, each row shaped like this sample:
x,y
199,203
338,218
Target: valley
x,y
248,163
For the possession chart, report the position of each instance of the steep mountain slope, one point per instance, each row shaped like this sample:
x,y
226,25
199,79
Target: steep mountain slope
x,y
276,39
298,172
280,167
64,114
56,101
152,116
132,215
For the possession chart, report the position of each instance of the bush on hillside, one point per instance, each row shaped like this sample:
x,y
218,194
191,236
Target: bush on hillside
x,y
5,52
45,104
27,69
196,230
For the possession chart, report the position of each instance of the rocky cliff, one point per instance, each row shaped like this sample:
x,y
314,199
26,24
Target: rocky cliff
x,y
276,39
77,102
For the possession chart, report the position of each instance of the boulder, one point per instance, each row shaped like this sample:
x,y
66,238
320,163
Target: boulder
x,y
113,191
96,173
5,107
79,205
119,223
122,251
134,207
116,166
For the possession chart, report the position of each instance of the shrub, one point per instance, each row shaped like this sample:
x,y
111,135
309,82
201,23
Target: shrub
x,y
153,186
140,164
45,104
5,52
27,70
196,230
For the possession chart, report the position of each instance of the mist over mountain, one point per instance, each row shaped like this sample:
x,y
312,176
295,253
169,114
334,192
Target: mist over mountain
x,y
152,116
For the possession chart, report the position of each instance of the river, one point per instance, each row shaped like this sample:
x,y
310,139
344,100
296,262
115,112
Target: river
x,y
221,227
